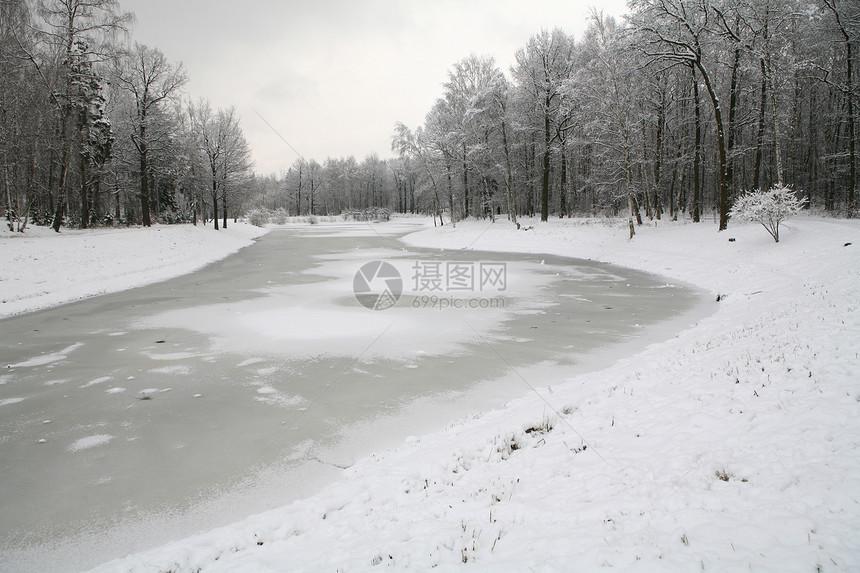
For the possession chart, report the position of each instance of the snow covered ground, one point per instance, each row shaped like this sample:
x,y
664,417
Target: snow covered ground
x,y
732,446
40,268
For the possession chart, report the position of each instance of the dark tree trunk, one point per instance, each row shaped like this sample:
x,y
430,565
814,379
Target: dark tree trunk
x,y
224,209
759,152
466,206
852,155
85,203
658,159
215,196
697,155
562,194
544,189
723,182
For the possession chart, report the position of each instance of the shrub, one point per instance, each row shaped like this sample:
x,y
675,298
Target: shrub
x,y
258,217
770,208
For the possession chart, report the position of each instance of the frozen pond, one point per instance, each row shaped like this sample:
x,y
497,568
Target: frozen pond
x,y
132,419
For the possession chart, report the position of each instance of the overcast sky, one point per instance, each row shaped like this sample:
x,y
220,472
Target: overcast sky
x,y
333,76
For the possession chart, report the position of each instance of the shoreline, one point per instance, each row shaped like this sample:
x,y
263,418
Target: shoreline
x,y
41,269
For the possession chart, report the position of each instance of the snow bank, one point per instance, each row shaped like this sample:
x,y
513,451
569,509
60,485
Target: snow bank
x,y
733,445
41,268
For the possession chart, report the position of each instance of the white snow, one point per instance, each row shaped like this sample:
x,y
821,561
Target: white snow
x,y
41,268
90,442
7,401
731,446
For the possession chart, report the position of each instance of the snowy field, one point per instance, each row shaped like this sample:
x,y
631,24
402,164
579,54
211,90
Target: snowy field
x,y
40,268
732,446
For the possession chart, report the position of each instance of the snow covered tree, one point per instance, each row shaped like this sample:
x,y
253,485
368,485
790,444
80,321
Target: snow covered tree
x,y
683,32
540,71
150,79
76,34
770,208
414,144
227,156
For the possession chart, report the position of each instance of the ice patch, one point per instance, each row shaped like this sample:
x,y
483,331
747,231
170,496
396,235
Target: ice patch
x,y
267,371
171,355
8,401
117,390
48,358
250,361
274,397
90,442
176,369
96,381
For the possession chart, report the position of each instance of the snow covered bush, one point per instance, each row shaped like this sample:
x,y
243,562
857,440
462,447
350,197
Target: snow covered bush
x,y
258,217
770,208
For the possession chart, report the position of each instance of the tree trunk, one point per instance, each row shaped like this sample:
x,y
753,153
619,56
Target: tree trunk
x,y
759,153
852,152
646,185
144,175
658,160
215,196
544,189
85,204
697,155
509,177
466,206
562,193
723,181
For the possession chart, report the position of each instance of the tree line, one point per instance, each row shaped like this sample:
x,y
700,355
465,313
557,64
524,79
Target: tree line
x,y
95,130
674,111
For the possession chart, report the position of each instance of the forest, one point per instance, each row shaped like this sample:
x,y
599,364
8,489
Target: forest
x,y
673,111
